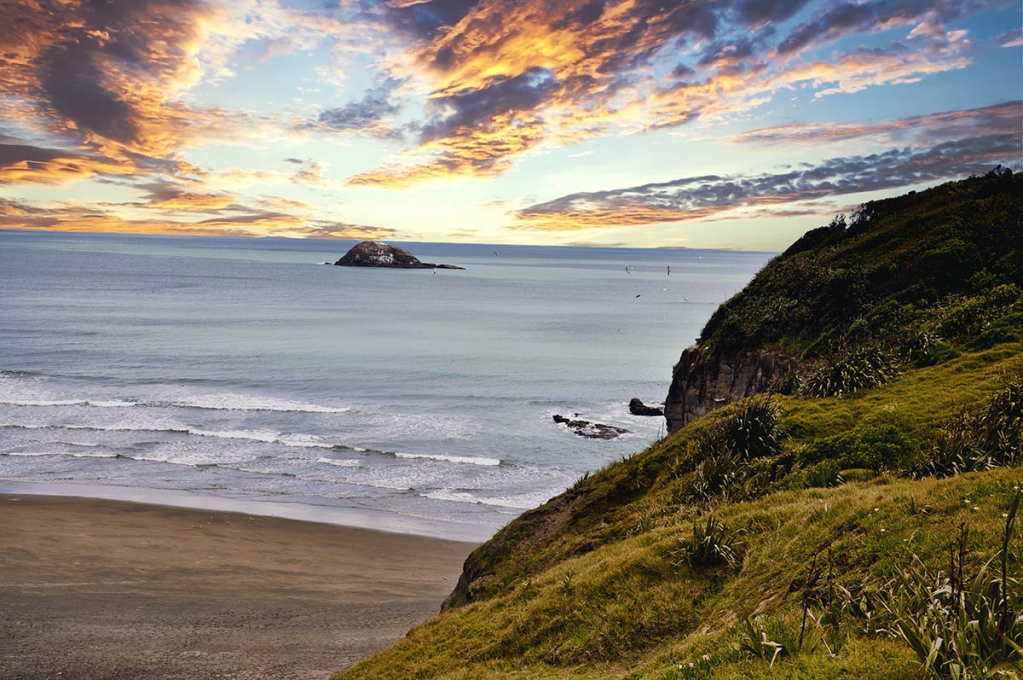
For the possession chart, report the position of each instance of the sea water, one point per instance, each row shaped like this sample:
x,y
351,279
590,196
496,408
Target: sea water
x,y
236,368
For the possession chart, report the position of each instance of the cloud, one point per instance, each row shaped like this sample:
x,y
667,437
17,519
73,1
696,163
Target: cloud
x,y
108,90
110,77
704,197
250,222
921,130
836,20
368,115
728,91
27,164
506,78
179,197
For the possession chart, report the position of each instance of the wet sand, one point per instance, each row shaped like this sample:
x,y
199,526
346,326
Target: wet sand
x,y
109,589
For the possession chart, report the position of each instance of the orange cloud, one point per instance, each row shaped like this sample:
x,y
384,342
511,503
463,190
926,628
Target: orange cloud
x,y
26,164
20,215
509,77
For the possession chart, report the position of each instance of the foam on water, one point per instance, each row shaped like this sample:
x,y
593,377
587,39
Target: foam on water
x,y
265,436
97,403
466,460
35,454
346,462
239,402
521,502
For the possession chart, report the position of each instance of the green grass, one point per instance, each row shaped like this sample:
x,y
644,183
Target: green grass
x,y
591,584
628,609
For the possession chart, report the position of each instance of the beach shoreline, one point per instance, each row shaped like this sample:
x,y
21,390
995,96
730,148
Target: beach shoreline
x,y
116,589
318,510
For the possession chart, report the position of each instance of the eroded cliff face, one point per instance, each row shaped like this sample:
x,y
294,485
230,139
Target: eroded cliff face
x,y
702,380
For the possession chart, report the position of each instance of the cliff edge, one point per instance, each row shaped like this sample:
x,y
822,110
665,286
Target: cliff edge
x,y
850,291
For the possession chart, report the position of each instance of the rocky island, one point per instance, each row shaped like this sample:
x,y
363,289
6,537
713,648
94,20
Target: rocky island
x,y
375,254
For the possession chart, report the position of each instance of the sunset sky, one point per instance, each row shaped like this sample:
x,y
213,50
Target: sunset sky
x,y
646,123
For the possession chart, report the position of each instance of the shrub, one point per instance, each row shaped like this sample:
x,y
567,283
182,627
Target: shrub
x,y
712,544
872,447
753,431
962,318
773,640
860,369
757,643
978,440
823,474
927,349
724,459
712,475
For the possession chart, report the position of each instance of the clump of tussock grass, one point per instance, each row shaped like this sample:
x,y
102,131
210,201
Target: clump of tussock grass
x,y
862,368
753,431
980,439
961,628
710,544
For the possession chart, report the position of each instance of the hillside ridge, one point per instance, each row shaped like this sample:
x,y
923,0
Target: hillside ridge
x,y
870,433
849,284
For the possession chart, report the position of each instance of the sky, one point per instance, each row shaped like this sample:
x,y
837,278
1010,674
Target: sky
x,y
732,124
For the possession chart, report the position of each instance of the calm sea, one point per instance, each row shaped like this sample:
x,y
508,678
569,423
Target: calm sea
x,y
234,368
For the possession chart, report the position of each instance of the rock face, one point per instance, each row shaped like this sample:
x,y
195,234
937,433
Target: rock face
x,y
374,254
702,381
585,428
638,408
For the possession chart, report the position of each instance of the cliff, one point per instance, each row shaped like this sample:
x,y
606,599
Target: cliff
x,y
891,345
702,380
855,285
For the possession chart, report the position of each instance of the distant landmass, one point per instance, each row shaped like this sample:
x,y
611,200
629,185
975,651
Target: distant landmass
x,y
375,254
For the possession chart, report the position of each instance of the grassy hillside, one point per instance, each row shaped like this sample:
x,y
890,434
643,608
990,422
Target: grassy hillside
x,y
819,533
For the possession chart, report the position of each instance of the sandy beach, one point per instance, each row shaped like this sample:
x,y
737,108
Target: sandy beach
x,y
109,589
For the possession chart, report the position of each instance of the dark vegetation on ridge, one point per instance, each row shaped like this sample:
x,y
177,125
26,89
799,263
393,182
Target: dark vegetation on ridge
x,y
857,521
905,282
883,272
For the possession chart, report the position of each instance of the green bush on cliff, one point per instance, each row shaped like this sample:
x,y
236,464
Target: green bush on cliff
x,y
862,368
958,246
872,447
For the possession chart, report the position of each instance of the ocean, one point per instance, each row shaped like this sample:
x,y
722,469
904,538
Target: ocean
x,y
224,370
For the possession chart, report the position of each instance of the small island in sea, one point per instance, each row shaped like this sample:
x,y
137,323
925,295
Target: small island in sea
x,y
375,254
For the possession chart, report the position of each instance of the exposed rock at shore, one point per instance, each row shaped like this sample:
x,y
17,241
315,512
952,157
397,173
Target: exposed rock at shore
x,y
703,380
585,428
374,254
638,408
